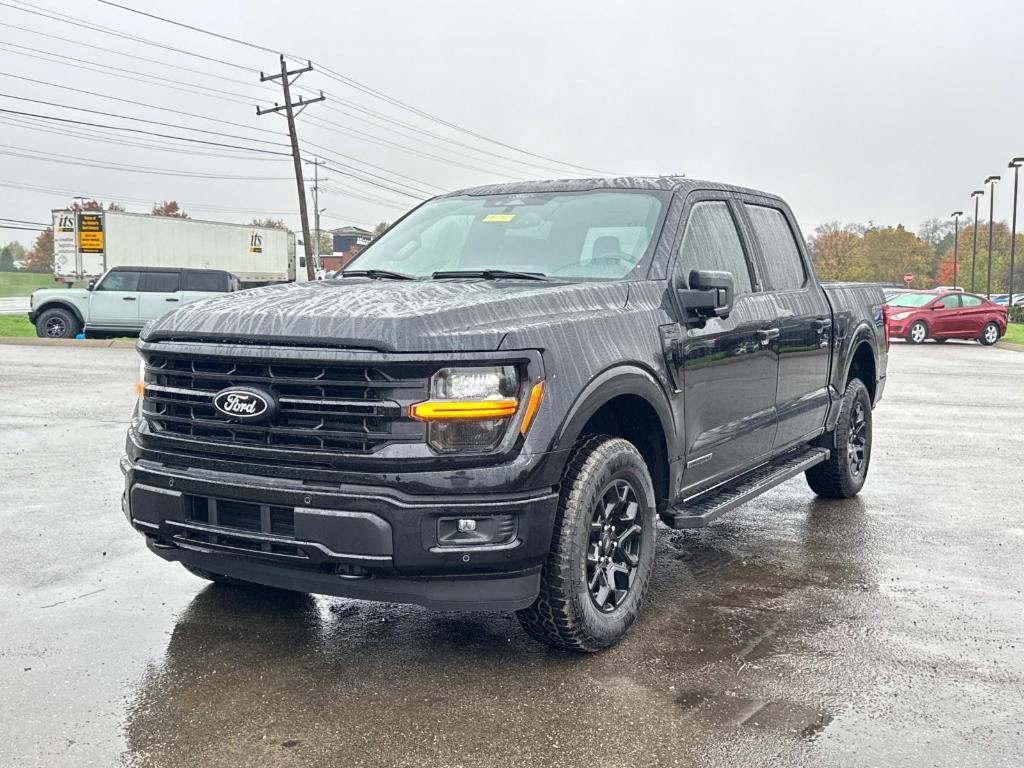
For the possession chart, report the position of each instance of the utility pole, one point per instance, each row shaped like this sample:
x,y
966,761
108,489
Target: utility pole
x,y
956,236
289,108
976,194
316,207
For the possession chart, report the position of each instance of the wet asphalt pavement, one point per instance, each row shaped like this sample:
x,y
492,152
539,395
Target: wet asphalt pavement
x,y
886,630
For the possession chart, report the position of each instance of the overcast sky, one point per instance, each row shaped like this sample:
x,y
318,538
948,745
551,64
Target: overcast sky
x,y
891,111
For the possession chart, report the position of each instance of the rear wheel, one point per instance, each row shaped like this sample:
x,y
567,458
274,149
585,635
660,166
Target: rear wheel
x,y
843,475
989,334
602,551
57,323
917,332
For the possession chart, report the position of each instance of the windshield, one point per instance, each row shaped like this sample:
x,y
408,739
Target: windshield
x,y
600,235
911,300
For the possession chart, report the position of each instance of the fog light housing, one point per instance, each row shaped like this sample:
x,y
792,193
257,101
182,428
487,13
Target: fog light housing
x,y
487,530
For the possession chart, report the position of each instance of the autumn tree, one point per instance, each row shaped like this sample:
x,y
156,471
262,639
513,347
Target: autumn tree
x,y
835,251
168,208
891,252
1000,259
40,255
117,207
379,228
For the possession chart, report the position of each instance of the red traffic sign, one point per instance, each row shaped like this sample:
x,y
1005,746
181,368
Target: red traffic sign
x,y
908,278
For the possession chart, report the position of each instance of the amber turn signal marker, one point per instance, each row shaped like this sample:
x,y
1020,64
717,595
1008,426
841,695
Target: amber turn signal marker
x,y
140,388
536,395
444,410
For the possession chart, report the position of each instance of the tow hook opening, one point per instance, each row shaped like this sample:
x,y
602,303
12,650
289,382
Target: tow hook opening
x,y
351,571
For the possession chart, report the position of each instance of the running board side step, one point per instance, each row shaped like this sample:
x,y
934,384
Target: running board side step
x,y
716,503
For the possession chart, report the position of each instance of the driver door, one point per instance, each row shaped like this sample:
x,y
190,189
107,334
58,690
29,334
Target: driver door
x,y
727,368
114,302
946,317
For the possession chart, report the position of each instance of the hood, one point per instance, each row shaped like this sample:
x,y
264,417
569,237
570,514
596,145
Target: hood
x,y
45,294
387,315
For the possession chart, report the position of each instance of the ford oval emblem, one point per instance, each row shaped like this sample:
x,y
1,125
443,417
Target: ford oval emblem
x,y
244,403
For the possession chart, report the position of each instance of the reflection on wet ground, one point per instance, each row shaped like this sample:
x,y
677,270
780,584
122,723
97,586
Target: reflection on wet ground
x,y
884,630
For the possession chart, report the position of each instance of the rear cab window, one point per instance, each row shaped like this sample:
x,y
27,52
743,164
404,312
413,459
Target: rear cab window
x,y
784,267
209,282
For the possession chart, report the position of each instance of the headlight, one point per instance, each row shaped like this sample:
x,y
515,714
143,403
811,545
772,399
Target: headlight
x,y
901,315
470,409
140,385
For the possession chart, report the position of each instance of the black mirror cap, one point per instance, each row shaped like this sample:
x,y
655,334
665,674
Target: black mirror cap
x,y
710,293
91,285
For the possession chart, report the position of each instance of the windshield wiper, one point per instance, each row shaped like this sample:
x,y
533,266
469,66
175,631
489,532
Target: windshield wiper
x,y
376,274
489,274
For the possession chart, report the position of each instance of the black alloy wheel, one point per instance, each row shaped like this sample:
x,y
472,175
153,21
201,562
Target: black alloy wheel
x,y
613,553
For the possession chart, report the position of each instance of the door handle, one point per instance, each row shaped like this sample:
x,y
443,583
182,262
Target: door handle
x,y
170,299
128,298
822,324
767,334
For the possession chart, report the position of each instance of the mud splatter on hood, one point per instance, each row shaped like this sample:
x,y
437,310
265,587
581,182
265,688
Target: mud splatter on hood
x,y
419,316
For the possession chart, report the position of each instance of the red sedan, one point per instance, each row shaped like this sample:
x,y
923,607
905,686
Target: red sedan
x,y
942,315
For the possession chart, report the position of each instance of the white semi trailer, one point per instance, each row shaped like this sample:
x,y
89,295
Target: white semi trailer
x,y
88,243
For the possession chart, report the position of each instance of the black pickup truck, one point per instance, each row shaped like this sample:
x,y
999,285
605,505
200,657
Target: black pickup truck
x,y
495,403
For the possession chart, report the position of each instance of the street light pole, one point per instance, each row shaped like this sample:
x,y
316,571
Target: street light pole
x,y
991,181
976,194
1015,163
956,237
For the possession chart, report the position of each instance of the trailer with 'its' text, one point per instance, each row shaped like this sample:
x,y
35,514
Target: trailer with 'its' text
x,y
88,243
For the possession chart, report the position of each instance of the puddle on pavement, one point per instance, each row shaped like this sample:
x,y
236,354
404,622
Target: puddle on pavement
x,y
724,709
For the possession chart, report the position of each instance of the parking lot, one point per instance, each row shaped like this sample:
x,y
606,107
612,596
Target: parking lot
x,y
885,630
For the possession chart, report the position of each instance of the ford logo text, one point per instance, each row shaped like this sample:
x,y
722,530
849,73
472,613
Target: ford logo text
x,y
244,404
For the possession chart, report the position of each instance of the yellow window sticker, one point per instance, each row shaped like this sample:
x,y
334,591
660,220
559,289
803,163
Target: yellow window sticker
x,y
499,217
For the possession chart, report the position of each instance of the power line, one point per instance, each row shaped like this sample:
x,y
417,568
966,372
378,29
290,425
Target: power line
x,y
363,88
33,188
134,103
108,138
54,58
22,221
25,229
78,23
52,157
139,130
189,26
136,57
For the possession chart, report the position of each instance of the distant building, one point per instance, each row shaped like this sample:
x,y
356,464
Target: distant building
x,y
348,241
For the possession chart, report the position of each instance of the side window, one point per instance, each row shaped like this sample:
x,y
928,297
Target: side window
x,y
203,281
784,267
971,301
712,242
949,302
160,282
119,281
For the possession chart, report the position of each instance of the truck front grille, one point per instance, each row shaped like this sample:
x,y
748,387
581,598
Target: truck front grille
x,y
324,408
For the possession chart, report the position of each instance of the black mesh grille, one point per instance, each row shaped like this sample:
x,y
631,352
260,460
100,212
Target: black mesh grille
x,y
324,409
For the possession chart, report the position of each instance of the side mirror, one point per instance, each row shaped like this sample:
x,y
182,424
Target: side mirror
x,y
91,285
709,294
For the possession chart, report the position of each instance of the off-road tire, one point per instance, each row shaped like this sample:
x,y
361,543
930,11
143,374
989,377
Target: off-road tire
x,y
57,323
836,478
917,338
565,613
989,334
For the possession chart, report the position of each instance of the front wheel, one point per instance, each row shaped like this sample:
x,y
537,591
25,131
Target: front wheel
x,y
917,333
57,323
843,475
602,550
989,334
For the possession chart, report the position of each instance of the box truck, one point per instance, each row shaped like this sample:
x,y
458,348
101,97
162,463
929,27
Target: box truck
x,y
88,243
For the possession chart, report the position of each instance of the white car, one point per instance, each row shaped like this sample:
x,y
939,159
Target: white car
x,y
123,300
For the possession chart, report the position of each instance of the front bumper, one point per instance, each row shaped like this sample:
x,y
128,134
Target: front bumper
x,y
32,315
364,542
